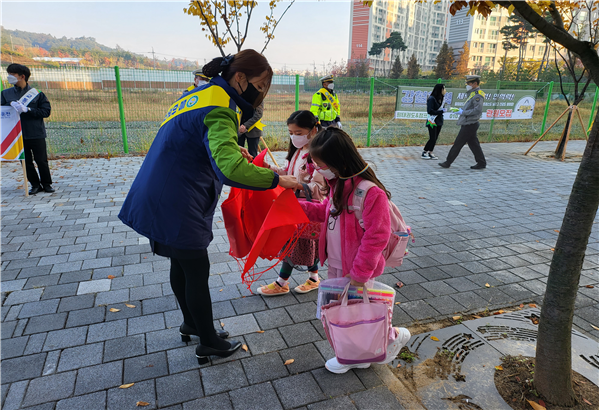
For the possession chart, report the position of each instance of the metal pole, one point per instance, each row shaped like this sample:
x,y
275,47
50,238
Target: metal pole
x,y
547,106
594,106
296,92
370,111
494,108
119,93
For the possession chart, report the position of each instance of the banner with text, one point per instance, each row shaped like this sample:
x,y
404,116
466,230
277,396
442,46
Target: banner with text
x,y
499,104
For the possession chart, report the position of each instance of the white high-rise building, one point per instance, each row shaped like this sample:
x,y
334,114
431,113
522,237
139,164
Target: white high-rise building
x,y
421,25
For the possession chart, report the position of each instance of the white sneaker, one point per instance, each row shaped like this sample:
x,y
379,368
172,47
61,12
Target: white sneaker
x,y
431,156
425,155
403,337
334,366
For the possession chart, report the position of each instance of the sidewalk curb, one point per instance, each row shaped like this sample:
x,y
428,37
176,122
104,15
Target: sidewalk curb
x,y
407,399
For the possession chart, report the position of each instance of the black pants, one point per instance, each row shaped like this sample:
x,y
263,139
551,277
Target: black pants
x,y
252,144
189,280
467,135
433,135
287,268
35,150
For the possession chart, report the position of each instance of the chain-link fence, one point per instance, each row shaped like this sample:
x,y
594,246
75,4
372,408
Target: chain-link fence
x,y
86,119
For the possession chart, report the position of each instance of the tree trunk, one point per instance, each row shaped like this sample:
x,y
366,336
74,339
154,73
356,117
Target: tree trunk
x,y
553,367
561,146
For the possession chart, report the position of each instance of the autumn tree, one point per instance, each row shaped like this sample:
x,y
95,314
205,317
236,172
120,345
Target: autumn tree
x,y
358,67
397,69
413,67
226,21
518,33
553,368
445,62
461,69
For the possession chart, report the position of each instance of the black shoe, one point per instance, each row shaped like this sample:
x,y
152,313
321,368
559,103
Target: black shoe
x,y
202,352
478,166
186,330
35,190
49,189
444,164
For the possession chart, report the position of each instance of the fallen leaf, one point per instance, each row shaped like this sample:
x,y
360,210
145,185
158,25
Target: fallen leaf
x,y
552,249
532,305
421,197
142,404
220,290
590,286
244,347
222,325
435,338
456,317
536,406
398,365
289,361
397,303
521,305
260,331
500,367
595,327
587,402
501,311
129,306
542,403
556,230
114,310
477,317
487,285
111,276
126,386
531,213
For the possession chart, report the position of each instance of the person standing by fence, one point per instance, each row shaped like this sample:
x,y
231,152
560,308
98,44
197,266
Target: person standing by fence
x,y
325,104
174,196
469,121
434,123
32,115
251,130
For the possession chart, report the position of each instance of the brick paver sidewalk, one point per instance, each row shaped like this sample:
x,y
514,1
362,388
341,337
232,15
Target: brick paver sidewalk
x,y
484,240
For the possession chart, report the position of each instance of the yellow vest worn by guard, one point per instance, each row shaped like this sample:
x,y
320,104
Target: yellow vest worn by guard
x,y
325,105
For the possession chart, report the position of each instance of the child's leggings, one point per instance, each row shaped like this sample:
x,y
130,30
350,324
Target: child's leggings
x,y
335,272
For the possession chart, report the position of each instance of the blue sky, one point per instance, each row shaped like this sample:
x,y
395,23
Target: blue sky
x,y
312,32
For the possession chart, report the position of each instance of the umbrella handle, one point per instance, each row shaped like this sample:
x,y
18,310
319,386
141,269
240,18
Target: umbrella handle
x,y
269,153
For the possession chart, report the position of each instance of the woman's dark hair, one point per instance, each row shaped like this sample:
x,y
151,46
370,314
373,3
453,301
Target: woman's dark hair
x,y
249,62
19,69
437,92
335,148
303,119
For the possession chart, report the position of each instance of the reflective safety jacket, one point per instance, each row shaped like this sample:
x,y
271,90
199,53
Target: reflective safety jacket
x,y
176,191
323,105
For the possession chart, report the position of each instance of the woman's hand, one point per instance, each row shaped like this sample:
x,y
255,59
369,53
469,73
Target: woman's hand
x,y
246,154
289,181
242,129
355,283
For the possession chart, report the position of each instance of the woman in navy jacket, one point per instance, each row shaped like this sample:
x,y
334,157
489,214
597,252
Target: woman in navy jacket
x,y
174,196
434,108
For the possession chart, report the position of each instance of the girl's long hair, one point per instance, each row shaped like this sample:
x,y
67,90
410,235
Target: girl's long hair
x,y
303,119
336,149
437,92
250,62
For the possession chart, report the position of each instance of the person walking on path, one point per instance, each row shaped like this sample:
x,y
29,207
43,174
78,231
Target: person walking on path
x,y
469,122
325,104
173,197
251,130
303,126
32,126
434,123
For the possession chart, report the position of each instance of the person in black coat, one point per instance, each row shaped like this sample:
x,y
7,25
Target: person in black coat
x,y
251,130
434,123
32,125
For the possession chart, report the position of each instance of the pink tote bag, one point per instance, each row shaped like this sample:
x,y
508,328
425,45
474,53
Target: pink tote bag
x,y
358,330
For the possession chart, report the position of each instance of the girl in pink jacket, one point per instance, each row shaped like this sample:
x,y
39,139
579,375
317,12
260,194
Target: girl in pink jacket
x,y
350,249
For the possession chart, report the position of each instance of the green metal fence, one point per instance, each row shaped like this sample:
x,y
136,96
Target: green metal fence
x,y
99,111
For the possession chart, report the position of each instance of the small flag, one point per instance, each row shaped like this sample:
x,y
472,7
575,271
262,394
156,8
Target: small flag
x,y
11,145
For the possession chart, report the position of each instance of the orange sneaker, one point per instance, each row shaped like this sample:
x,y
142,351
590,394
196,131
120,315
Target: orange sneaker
x,y
308,286
273,289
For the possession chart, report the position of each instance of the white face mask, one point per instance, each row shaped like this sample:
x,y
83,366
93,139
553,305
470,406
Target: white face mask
x,y
468,87
327,173
299,141
12,79
331,86
201,82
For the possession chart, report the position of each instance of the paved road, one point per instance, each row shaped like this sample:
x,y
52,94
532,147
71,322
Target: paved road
x,y
65,347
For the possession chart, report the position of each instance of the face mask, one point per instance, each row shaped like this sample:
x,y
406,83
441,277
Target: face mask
x,y
12,79
201,82
250,94
468,87
299,141
331,86
327,173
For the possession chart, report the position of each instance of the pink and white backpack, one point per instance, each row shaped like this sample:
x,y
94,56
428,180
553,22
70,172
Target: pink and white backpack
x,y
399,234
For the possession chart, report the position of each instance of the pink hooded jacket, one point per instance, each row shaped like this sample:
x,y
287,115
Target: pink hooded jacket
x,y
361,249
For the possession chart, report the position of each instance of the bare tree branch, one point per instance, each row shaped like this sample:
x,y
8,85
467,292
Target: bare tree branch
x,y
214,35
275,26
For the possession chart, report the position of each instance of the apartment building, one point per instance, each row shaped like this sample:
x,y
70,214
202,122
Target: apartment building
x,y
422,26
